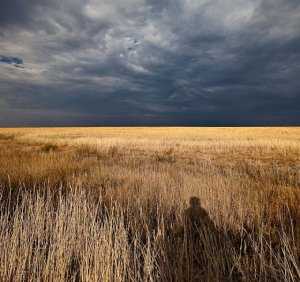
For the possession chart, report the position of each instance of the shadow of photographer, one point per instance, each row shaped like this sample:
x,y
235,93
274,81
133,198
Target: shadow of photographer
x,y
199,249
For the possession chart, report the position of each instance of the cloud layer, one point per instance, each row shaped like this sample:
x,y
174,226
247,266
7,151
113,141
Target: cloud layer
x,y
150,62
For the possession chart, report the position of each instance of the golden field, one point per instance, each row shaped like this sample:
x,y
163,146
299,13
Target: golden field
x,y
114,204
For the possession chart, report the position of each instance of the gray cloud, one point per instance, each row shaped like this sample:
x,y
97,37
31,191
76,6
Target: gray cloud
x,y
11,60
175,62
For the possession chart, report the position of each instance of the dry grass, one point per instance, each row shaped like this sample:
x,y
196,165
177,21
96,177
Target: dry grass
x,y
112,204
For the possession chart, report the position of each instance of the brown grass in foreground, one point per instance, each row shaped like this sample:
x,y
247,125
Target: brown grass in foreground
x,y
156,204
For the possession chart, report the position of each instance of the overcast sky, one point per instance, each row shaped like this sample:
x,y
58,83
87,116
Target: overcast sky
x,y
184,62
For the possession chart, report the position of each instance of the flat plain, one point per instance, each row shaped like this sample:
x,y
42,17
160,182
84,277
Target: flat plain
x,y
150,204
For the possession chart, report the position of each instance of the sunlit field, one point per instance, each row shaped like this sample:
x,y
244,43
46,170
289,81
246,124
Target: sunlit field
x,y
150,204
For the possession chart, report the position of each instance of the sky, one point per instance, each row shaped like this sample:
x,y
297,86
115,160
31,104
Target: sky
x,y
149,62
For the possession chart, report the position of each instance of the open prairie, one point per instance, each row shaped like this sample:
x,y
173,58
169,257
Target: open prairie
x,y
150,204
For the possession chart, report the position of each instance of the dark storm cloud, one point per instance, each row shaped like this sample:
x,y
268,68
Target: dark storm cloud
x,y
148,61
22,12
15,11
11,60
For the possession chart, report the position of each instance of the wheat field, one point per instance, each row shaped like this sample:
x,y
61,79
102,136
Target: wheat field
x,y
150,204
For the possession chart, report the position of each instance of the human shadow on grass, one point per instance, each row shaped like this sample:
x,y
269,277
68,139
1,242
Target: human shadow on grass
x,y
73,269
199,251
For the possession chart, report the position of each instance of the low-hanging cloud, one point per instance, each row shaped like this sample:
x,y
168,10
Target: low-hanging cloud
x,y
148,61
11,60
